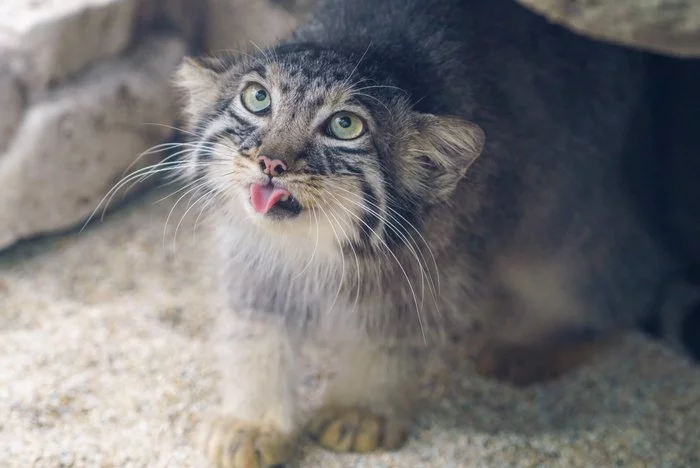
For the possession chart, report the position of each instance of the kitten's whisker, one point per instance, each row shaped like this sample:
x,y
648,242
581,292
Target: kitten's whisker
x,y
177,129
211,193
164,162
342,259
263,52
393,213
163,147
398,228
398,262
398,232
357,261
409,241
205,206
380,87
192,186
308,264
235,51
175,192
369,96
347,80
107,198
172,165
184,215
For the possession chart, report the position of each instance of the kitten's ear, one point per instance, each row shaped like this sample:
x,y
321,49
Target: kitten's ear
x,y
445,147
199,79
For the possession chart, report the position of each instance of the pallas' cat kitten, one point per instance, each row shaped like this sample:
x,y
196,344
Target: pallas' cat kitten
x,y
399,172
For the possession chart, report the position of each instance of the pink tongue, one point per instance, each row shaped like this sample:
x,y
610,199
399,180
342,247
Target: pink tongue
x,y
264,197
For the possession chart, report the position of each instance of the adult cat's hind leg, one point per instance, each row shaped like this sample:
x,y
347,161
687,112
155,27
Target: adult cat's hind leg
x,y
546,325
547,358
366,407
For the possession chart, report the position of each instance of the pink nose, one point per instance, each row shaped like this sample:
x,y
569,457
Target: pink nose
x,y
271,167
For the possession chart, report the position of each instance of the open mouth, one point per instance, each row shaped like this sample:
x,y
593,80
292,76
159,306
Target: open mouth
x,y
271,200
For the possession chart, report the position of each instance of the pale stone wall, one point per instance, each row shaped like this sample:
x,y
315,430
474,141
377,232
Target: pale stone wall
x,y
664,26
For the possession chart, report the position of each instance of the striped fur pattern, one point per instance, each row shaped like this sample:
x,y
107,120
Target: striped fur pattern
x,y
364,201
485,198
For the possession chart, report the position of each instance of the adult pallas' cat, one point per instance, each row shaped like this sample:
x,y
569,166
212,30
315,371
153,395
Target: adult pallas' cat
x,y
403,171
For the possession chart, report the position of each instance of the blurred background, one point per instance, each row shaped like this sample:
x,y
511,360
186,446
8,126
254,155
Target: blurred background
x,y
85,88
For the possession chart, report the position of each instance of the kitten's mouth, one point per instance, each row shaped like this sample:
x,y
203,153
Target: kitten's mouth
x,y
268,199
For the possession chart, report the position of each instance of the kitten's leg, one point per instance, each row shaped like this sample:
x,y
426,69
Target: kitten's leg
x,y
259,422
367,406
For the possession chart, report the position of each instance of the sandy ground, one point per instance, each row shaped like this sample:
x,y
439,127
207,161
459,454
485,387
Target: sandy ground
x,y
104,362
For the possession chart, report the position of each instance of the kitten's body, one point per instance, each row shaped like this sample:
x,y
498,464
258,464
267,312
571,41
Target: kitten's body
x,y
533,243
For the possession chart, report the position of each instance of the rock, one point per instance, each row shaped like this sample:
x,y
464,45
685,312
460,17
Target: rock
x,y
665,26
73,146
54,39
186,17
243,24
11,103
50,40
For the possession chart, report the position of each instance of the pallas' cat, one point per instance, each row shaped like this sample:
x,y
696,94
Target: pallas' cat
x,y
400,172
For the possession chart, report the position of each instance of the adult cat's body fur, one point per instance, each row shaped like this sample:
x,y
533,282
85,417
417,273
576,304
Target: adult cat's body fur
x,y
535,241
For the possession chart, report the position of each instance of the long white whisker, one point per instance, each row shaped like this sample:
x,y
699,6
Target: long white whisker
x,y
313,210
380,87
345,82
166,147
182,130
184,215
425,242
342,259
206,205
149,170
357,261
400,230
192,186
398,262
353,93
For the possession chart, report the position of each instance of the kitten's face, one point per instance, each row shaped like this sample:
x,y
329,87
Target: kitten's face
x,y
302,142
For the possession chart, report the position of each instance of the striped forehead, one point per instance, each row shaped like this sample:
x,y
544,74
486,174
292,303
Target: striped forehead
x,y
312,86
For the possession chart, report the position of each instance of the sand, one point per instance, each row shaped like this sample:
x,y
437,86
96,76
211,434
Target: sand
x,y
104,362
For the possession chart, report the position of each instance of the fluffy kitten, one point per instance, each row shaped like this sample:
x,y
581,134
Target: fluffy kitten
x,y
402,171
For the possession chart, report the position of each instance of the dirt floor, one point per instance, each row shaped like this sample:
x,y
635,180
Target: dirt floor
x,y
104,362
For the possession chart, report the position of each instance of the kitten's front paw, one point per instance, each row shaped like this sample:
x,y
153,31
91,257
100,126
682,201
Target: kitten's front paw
x,y
355,430
229,443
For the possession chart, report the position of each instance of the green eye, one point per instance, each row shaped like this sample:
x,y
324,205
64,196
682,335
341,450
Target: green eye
x,y
256,99
346,126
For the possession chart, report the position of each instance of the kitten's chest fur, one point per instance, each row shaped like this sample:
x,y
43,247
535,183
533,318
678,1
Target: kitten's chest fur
x,y
410,292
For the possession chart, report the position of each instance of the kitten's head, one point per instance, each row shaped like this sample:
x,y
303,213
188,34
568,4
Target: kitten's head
x,y
305,141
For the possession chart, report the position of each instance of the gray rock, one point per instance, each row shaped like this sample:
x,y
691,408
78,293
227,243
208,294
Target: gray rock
x,y
11,103
73,146
54,39
184,16
235,25
666,26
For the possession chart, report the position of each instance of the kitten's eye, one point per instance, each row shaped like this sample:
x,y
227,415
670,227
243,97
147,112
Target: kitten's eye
x,y
256,99
346,126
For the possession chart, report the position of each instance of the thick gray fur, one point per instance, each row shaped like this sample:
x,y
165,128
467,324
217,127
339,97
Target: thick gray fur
x,y
501,138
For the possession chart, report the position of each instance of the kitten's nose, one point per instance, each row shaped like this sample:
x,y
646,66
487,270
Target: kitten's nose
x,y
271,167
